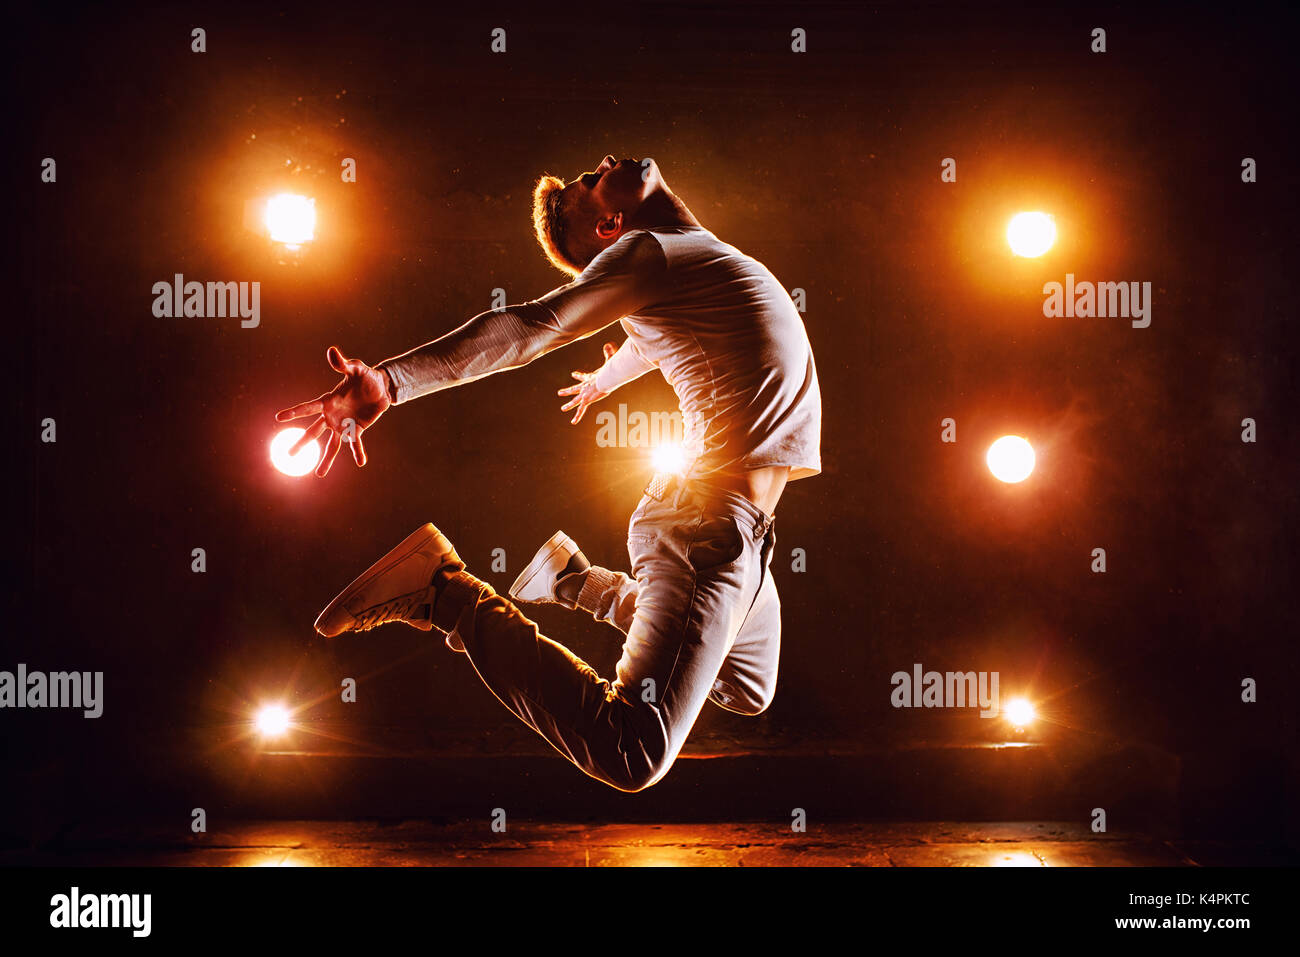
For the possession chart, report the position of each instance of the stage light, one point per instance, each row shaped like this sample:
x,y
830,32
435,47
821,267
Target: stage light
x,y
669,457
295,465
1011,459
1019,713
1031,234
291,219
272,721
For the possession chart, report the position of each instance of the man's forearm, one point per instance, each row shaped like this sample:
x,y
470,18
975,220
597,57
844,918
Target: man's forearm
x,y
488,343
622,367
615,284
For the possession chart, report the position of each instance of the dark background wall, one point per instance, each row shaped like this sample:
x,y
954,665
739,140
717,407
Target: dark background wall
x,y
826,167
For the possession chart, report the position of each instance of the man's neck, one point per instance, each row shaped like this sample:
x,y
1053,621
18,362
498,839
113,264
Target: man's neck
x,y
662,208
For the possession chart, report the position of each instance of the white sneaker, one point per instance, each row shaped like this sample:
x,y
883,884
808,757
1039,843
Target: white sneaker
x,y
398,587
537,582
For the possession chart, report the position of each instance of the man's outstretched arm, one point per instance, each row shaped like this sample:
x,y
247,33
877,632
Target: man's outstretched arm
x,y
624,278
618,282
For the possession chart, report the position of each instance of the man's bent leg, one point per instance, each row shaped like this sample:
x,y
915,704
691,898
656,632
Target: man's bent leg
x,y
555,692
746,683
700,569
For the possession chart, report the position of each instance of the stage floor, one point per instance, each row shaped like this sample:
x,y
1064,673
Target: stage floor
x,y
424,843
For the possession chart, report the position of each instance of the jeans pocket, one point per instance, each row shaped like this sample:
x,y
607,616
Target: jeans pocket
x,y
718,542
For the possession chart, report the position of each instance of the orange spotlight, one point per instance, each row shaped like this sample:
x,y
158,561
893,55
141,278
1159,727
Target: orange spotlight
x,y
294,465
272,721
1011,459
291,219
1019,713
1031,234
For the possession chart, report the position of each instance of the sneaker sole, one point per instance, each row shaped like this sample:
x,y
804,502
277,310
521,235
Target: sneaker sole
x,y
556,543
411,544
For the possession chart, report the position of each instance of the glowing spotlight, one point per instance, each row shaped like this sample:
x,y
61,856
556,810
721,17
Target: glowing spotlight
x,y
291,219
295,465
1031,234
669,458
272,721
1011,459
1020,713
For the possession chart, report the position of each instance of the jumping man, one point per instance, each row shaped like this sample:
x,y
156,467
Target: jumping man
x,y
700,610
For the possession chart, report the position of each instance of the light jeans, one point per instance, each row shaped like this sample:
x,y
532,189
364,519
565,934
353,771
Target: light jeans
x,y
702,619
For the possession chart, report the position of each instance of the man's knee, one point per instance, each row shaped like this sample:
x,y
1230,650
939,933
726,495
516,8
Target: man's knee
x,y
748,708
641,754
637,776
733,699
645,778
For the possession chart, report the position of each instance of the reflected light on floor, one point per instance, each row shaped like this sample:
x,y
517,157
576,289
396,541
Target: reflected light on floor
x,y
655,858
273,863
1016,859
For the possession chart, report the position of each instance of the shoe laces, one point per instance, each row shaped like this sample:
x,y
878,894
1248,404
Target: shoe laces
x,y
395,609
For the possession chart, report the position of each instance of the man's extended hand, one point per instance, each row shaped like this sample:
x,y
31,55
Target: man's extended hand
x,y
350,409
585,393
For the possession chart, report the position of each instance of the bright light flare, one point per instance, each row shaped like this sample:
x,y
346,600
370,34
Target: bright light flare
x,y
669,457
294,465
1011,459
1020,713
272,721
291,219
1031,234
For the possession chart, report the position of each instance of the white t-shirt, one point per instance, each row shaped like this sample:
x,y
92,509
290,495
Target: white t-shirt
x,y
715,322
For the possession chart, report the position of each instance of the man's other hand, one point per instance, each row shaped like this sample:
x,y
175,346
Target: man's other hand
x,y
347,411
585,392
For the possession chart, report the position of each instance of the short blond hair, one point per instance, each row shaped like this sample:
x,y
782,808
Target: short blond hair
x,y
550,224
